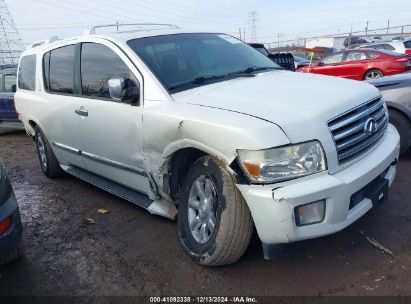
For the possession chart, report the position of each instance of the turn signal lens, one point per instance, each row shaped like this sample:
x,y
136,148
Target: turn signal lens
x,y
252,169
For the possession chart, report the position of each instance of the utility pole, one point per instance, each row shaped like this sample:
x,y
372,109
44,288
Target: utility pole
x,y
350,38
388,26
253,20
366,29
241,32
11,44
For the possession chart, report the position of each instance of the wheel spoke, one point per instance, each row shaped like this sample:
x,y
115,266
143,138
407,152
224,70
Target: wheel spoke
x,y
211,223
203,232
194,204
195,224
200,189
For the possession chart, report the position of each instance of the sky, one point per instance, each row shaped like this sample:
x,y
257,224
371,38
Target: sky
x,y
41,19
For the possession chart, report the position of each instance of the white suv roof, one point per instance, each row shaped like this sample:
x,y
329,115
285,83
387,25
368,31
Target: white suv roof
x,y
122,32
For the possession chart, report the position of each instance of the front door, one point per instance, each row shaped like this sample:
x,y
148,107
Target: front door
x,y
111,136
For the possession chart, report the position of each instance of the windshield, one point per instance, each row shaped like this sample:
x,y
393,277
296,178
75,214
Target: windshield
x,y
262,50
187,58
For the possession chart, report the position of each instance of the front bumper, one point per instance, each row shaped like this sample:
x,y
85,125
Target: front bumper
x,y
272,206
10,239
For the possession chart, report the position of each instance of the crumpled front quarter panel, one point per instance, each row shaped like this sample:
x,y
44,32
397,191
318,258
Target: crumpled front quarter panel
x,y
171,126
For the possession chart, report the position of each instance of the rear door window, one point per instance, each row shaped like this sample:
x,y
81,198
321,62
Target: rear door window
x,y
372,55
61,70
27,73
356,56
407,44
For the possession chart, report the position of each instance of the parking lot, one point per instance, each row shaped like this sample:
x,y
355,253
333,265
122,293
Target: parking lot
x,y
130,252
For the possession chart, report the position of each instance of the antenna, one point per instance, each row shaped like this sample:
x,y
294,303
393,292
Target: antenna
x,y
11,45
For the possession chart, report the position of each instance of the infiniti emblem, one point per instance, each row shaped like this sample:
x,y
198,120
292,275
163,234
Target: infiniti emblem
x,y
370,126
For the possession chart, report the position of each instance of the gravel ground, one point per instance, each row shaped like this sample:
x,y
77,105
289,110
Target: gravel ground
x,y
130,252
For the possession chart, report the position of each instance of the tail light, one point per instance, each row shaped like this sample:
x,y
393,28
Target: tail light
x,y
408,51
5,226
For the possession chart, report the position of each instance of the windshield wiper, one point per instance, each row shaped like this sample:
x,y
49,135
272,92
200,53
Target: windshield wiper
x,y
253,69
198,80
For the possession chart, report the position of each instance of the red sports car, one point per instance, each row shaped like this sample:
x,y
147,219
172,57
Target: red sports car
x,y
361,64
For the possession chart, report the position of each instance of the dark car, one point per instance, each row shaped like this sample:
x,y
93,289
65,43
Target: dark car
x,y
285,60
396,91
8,115
361,64
11,230
352,42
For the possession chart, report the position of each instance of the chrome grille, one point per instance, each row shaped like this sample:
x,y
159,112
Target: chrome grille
x,y
348,129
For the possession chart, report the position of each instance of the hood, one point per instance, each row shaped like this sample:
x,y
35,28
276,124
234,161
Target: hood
x,y
300,104
287,99
390,80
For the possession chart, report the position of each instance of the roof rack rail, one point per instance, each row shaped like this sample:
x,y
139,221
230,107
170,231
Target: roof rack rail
x,y
92,30
42,42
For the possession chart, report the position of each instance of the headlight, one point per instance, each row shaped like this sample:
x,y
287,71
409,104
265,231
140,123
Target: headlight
x,y
283,163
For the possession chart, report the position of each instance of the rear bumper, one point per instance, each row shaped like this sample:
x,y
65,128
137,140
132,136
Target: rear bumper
x,y
10,239
11,124
272,206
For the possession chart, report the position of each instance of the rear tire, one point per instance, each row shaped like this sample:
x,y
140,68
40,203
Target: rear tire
x,y
226,241
403,126
372,74
48,161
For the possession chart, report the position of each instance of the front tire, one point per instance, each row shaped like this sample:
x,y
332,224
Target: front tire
x,y
214,221
403,126
48,161
372,74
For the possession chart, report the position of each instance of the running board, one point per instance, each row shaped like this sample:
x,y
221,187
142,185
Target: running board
x,y
111,187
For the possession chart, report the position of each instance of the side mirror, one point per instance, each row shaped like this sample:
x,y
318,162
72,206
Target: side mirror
x,y
124,90
13,88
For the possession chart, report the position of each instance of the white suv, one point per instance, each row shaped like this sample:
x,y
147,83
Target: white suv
x,y
202,126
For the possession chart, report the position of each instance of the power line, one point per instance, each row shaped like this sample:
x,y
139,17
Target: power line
x,y
11,44
201,12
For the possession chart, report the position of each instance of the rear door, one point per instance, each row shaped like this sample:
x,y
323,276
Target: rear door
x,y
355,65
61,125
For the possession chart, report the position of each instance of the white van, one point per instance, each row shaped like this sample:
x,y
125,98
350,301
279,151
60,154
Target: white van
x,y
204,127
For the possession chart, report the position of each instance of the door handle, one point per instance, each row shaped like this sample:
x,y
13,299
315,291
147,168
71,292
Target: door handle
x,y
81,112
